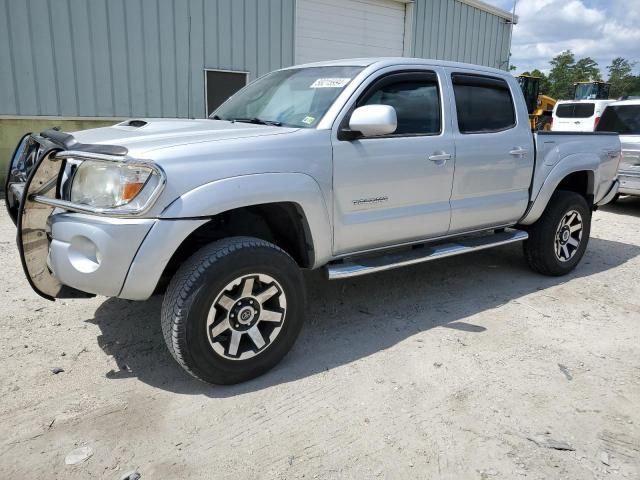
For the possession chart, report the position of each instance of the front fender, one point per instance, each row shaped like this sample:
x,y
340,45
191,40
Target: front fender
x,y
242,191
570,164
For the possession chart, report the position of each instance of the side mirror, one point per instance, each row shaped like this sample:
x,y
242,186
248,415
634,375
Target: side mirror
x,y
374,120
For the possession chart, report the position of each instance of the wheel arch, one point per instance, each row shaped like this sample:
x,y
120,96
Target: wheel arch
x,y
298,190
282,223
578,180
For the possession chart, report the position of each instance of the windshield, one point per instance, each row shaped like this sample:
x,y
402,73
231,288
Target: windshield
x,y
293,98
624,119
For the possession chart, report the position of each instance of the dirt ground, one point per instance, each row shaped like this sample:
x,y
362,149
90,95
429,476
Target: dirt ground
x,y
468,368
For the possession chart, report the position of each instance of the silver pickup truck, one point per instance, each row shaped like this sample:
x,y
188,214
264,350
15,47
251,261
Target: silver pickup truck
x,y
353,166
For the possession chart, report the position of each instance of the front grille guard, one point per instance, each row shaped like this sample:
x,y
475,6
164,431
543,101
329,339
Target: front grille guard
x,y
34,171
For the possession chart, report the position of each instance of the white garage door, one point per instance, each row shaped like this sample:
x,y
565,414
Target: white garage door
x,y
332,29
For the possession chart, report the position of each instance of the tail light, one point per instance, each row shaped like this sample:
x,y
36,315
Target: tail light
x,y
596,123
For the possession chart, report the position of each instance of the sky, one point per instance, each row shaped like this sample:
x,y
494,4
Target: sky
x,y
600,29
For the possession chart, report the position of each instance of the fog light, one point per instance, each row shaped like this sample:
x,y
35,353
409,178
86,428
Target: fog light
x,y
84,255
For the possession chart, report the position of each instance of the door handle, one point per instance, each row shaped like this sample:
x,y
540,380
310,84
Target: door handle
x,y
518,152
440,157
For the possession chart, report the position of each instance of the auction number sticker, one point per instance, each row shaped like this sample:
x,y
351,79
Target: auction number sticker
x,y
330,83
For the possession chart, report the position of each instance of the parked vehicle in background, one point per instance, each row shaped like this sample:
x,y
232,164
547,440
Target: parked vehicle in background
x,y
354,166
577,116
593,90
539,106
624,118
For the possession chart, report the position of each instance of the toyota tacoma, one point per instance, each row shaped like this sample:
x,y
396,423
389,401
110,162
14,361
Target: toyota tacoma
x,y
352,166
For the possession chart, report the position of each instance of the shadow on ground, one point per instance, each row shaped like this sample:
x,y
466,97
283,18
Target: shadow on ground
x,y
351,319
626,205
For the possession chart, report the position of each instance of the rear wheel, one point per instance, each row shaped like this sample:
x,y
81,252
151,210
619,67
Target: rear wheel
x,y
558,240
233,310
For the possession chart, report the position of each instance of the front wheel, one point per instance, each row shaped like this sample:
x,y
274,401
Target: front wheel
x,y
558,240
233,310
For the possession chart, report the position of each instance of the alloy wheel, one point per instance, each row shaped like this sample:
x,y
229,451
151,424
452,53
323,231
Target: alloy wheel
x,y
246,317
568,236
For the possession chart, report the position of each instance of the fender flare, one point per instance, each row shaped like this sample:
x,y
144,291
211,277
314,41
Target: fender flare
x,y
568,165
230,193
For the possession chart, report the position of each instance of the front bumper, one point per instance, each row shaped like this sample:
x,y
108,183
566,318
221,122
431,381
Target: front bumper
x,y
93,254
114,257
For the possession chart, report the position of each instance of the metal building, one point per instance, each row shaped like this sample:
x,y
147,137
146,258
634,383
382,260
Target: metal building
x,y
168,58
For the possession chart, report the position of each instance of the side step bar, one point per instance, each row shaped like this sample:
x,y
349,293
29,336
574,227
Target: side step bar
x,y
362,266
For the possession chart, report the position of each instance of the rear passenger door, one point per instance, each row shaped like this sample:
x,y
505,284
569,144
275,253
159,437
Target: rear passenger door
x,y
494,153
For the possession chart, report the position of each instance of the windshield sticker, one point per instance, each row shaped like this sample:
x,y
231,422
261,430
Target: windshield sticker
x,y
308,120
330,83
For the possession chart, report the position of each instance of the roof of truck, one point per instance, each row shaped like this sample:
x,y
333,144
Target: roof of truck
x,y
391,61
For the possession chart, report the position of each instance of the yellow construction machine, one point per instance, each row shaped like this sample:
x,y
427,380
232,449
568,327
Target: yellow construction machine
x,y
540,107
595,90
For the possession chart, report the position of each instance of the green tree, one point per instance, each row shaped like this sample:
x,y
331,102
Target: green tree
x,y
622,81
586,70
635,90
562,75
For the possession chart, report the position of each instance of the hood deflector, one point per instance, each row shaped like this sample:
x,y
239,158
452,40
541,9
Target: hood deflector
x,y
68,142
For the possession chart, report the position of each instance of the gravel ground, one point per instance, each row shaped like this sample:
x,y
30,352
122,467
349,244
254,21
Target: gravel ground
x,y
468,368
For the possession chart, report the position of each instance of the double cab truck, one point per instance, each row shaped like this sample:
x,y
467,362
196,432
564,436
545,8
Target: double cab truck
x,y
352,166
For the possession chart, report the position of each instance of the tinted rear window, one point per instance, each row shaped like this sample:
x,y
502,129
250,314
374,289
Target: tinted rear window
x,y
575,110
624,119
483,104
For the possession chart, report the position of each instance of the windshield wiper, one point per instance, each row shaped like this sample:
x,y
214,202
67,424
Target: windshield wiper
x,y
258,121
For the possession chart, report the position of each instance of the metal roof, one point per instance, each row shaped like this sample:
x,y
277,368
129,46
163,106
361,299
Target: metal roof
x,y
491,9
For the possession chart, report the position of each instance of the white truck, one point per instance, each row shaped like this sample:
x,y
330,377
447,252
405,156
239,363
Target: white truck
x,y
352,166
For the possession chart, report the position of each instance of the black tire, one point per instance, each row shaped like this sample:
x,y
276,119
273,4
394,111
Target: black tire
x,y
544,123
201,280
540,249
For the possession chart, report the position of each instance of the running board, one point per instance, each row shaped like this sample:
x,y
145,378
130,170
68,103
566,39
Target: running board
x,y
362,266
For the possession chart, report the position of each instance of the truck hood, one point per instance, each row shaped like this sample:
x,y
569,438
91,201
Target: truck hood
x,y
144,135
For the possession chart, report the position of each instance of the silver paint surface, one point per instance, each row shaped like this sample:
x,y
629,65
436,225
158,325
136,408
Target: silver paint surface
x,y
433,186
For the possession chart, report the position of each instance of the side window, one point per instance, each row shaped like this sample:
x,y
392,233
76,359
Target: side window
x,y
415,98
484,104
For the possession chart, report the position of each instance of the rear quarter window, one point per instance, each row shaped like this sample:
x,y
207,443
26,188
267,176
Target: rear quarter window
x,y
575,110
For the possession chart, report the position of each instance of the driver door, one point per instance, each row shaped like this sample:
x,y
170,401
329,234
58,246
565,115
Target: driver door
x,y
395,188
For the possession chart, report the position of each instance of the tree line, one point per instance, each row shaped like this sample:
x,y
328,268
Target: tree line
x,y
566,70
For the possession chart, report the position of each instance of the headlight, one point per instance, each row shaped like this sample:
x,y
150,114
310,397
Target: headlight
x,y
101,184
